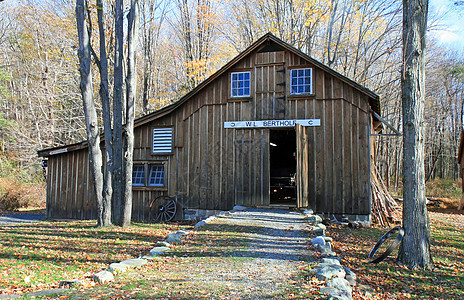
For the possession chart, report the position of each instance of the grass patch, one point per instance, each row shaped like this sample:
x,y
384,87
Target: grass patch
x,y
38,256
392,281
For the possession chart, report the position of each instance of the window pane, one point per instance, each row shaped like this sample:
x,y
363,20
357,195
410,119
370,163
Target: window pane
x,y
300,81
240,84
138,175
156,177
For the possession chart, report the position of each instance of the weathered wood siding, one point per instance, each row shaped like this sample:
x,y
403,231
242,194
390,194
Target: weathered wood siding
x,y
69,188
216,168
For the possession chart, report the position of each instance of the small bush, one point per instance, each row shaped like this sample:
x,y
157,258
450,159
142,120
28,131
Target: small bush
x,y
444,188
15,195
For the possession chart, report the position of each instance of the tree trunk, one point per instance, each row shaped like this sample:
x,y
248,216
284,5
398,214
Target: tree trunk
x,y
91,120
104,95
131,88
118,185
415,248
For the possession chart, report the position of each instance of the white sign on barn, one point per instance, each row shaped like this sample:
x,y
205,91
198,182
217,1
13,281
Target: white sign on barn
x,y
272,123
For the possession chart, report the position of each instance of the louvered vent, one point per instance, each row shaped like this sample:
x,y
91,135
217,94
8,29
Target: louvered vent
x,y
162,140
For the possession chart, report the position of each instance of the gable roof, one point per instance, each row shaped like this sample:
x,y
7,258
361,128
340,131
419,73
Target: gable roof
x,y
266,43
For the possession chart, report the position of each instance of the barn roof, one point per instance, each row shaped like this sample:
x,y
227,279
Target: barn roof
x,y
266,43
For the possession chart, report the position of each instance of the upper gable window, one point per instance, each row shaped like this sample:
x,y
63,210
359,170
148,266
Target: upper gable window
x,y
240,84
162,140
301,81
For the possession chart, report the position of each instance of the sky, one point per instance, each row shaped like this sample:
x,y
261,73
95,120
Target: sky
x,y
449,28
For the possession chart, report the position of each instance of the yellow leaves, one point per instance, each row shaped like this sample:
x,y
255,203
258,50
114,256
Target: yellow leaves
x,y
198,69
316,11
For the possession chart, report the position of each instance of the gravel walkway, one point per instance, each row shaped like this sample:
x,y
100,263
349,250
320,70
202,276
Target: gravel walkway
x,y
267,268
278,244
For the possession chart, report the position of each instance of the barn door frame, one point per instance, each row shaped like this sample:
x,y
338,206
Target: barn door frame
x,y
302,166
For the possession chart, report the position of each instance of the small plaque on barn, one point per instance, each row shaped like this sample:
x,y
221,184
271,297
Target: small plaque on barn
x,y
272,123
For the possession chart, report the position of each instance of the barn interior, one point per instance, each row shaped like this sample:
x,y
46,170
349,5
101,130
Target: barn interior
x,y
282,147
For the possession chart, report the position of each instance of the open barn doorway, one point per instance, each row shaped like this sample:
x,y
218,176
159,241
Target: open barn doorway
x,y
282,147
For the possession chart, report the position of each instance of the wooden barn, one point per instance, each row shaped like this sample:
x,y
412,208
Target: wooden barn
x,y
273,127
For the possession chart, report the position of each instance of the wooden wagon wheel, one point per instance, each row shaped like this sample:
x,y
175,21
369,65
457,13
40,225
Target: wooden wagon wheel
x,y
163,208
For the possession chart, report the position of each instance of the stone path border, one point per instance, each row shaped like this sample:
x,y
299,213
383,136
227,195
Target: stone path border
x,y
339,280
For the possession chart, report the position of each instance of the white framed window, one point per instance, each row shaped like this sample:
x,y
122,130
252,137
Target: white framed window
x,y
156,175
138,175
240,84
301,81
149,174
162,140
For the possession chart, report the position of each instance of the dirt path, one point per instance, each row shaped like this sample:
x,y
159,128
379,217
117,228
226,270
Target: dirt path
x,y
254,254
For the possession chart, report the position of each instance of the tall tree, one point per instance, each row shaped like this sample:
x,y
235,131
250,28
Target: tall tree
x,y
118,185
131,89
106,110
117,165
91,120
415,248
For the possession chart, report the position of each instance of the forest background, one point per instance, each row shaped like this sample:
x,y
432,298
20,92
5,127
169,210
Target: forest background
x,y
182,42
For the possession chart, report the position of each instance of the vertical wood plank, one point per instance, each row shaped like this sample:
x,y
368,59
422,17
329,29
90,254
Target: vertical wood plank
x,y
338,153
312,164
320,203
329,151
348,175
51,181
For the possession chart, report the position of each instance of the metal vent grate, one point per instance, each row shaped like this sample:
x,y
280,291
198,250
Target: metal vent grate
x,y
162,140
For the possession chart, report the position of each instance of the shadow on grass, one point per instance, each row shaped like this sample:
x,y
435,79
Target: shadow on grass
x,y
64,242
